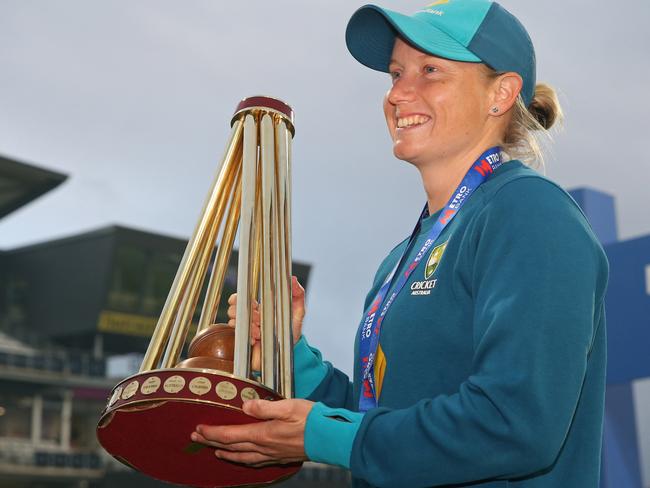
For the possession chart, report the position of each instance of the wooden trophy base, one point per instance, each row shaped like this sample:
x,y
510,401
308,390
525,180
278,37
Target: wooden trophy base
x,y
150,416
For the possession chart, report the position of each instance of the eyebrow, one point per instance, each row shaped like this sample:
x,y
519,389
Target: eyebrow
x,y
420,56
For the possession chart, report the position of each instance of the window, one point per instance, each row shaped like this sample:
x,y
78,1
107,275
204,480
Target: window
x,y
160,275
128,279
51,419
16,416
83,424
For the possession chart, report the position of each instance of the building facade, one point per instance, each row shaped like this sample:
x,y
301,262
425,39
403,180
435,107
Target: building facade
x,y
76,315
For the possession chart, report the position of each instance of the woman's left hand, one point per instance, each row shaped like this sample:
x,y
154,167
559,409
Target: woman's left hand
x,y
279,440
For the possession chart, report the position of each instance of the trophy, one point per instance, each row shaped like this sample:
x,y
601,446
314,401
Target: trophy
x,y
149,417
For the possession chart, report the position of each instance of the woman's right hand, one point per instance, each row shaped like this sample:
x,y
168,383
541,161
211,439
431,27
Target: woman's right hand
x,y
297,315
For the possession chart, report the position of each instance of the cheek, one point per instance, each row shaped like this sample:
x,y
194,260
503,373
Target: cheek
x,y
459,111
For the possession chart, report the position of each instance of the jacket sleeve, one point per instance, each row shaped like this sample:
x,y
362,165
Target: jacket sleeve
x,y
538,283
318,380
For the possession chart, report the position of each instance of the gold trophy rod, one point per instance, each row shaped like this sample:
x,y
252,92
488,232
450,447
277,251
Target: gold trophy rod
x,y
241,366
288,254
276,266
257,248
257,239
191,298
220,267
167,315
269,347
283,140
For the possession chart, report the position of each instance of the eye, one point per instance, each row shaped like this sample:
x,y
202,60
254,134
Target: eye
x,y
430,69
394,75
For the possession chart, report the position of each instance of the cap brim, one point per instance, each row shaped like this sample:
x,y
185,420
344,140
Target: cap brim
x,y
371,31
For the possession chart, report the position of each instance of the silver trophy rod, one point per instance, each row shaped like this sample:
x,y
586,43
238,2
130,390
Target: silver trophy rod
x,y
283,140
241,367
269,337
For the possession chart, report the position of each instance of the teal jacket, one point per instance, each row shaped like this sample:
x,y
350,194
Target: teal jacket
x,y
496,376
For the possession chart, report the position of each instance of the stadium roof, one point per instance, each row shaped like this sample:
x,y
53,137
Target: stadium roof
x,y
20,183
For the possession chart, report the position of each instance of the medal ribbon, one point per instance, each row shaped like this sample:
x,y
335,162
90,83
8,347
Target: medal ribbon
x,y
480,171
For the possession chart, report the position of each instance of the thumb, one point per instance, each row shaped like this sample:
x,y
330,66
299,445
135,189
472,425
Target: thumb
x,y
297,291
265,409
297,305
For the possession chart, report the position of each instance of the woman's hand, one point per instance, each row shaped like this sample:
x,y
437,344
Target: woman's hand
x,y
279,440
298,314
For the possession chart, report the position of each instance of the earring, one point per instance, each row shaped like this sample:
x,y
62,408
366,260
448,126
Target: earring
x,y
495,110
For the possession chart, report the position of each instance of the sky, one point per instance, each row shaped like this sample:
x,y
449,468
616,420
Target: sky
x,y
132,100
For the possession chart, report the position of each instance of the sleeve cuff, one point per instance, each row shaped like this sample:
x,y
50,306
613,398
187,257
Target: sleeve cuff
x,y
309,370
330,433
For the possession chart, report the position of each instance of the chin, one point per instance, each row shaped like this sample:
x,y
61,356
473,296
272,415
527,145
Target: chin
x,y
406,154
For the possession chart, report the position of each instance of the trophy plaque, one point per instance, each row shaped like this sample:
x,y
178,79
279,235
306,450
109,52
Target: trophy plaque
x,y
149,417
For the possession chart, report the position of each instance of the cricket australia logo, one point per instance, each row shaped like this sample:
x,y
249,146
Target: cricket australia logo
x,y
434,260
425,287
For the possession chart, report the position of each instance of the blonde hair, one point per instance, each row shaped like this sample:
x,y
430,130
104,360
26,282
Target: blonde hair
x,y
527,134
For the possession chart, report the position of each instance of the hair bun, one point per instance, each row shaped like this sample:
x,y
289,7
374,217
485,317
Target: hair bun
x,y
545,107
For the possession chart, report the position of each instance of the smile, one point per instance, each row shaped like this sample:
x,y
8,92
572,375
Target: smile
x,y
412,121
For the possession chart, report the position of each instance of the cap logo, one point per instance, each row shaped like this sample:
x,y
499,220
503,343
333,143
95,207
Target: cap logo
x,y
429,10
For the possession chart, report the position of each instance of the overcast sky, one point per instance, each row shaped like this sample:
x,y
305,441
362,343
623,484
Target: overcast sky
x,y
132,99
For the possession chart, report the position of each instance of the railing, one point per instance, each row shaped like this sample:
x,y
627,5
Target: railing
x,y
87,460
24,457
56,362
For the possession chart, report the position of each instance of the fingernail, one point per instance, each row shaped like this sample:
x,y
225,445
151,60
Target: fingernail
x,y
217,453
194,437
198,429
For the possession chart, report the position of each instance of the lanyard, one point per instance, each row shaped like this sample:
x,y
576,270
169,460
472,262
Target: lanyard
x,y
371,327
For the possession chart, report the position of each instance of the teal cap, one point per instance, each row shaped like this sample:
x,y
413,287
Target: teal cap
x,y
478,31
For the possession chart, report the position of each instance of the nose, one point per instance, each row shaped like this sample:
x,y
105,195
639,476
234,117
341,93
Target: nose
x,y
402,91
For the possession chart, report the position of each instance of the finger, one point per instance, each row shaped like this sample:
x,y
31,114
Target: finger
x,y
256,359
237,446
297,307
268,410
249,458
297,291
232,313
229,434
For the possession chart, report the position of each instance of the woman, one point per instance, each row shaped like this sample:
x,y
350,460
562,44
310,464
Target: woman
x,y
480,358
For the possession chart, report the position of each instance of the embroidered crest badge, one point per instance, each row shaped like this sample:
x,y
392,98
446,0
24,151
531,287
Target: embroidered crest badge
x,y
434,260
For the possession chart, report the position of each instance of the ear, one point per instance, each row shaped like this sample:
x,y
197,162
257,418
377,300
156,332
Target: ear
x,y
506,89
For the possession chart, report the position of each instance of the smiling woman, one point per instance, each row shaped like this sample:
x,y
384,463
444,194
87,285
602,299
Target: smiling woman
x,y
484,365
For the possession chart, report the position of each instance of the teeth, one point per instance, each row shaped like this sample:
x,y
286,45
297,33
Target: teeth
x,y
412,120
